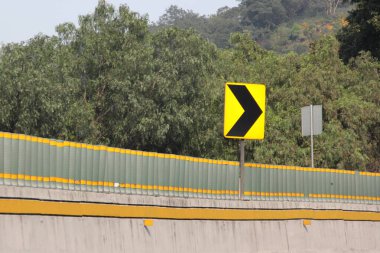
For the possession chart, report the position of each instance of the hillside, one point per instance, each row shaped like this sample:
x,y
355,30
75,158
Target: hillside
x,y
282,26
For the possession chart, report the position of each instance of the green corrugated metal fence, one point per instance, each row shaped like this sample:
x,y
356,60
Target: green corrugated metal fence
x,y
38,162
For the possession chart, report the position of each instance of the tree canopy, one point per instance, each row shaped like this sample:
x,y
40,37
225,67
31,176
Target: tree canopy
x,y
362,32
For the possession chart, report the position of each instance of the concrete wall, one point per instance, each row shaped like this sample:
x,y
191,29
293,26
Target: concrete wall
x,y
39,233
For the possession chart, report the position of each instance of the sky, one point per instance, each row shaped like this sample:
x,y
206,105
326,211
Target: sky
x,y
20,20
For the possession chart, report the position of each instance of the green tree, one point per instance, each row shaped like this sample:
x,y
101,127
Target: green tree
x,y
220,26
32,95
216,28
175,16
112,54
363,30
263,14
182,93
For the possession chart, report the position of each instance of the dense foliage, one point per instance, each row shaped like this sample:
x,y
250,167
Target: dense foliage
x,y
362,32
112,81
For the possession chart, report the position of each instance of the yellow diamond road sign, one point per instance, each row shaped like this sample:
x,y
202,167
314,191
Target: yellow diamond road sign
x,y
244,111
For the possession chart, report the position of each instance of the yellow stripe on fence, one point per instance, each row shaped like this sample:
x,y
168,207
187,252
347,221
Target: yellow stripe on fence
x,y
113,184
275,194
337,196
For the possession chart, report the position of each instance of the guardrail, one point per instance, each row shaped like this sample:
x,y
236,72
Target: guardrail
x,y
38,162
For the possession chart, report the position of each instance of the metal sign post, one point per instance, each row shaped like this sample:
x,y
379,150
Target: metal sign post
x,y
241,171
311,125
311,136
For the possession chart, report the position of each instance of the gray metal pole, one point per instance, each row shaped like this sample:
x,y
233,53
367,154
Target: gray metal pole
x,y
241,172
311,136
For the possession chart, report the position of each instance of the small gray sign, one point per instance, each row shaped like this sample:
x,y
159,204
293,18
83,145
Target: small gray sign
x,y
311,120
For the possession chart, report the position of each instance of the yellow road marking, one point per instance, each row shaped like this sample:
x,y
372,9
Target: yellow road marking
x,y
40,207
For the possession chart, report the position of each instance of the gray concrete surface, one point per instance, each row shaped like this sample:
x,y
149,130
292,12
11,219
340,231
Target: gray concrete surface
x,y
34,233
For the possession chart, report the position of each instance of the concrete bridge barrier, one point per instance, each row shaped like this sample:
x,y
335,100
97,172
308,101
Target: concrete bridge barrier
x,y
49,220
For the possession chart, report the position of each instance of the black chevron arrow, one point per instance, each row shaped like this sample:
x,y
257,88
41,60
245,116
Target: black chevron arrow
x,y
252,111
